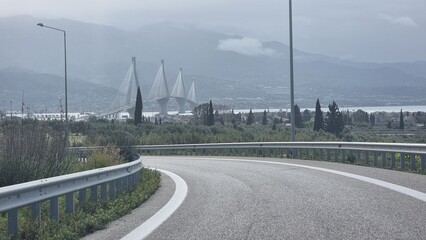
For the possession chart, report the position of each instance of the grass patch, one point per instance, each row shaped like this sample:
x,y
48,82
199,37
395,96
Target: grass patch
x,y
87,218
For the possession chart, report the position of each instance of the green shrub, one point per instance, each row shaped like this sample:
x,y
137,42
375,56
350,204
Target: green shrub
x,y
31,150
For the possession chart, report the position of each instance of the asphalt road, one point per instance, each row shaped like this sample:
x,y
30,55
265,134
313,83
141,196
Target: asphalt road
x,y
232,199
252,200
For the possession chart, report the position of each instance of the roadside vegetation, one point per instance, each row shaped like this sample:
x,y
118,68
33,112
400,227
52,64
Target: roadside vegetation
x,y
31,150
208,126
87,218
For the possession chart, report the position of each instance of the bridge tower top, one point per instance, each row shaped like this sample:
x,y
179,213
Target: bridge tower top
x,y
192,95
160,91
126,95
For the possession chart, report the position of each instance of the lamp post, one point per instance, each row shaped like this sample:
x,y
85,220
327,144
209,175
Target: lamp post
x,y
65,58
292,117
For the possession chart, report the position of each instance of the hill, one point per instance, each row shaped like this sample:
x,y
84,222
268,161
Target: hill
x,y
45,92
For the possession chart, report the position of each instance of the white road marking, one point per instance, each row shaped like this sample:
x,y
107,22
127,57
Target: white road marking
x,y
164,213
404,190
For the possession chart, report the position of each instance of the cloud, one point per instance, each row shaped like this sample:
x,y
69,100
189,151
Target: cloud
x,y
245,46
404,21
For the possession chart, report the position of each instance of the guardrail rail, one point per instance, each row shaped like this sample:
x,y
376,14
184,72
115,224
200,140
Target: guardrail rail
x,y
110,180
385,155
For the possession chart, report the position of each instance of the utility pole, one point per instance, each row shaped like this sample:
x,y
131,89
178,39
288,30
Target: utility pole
x,y
292,118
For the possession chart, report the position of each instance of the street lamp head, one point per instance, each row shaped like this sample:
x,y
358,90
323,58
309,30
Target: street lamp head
x,y
40,24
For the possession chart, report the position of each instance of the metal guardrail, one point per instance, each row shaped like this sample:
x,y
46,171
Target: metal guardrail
x,y
110,180
389,155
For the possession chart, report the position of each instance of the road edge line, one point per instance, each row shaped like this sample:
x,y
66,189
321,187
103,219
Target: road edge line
x,y
147,227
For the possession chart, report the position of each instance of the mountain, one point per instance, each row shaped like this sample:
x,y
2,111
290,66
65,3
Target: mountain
x,y
46,91
233,70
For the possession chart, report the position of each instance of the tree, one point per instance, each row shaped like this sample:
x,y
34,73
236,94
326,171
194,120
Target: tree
x,y
401,120
360,116
200,113
306,115
250,118
298,121
210,115
334,120
264,119
319,118
138,108
372,120
421,118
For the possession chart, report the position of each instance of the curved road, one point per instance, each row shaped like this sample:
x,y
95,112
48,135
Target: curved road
x,y
232,199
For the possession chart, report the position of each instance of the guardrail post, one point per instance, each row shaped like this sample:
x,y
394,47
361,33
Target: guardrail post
x,y
367,158
358,156
336,155
132,180
94,193
392,160
402,161
69,202
423,162
314,154
412,162
82,195
103,191
321,155
125,184
54,208
118,185
12,222
375,159
129,182
36,210
112,189
343,156
384,159
328,154
136,177
307,153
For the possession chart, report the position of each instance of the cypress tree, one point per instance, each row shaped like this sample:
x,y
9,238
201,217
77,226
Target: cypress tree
x,y
401,120
250,118
264,120
298,120
138,108
319,118
210,115
372,120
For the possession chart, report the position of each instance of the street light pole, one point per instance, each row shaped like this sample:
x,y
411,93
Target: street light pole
x,y
292,117
65,58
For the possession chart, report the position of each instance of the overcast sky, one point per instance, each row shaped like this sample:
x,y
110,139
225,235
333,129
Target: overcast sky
x,y
360,30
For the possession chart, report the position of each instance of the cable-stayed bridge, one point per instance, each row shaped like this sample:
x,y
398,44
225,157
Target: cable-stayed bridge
x,y
126,94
